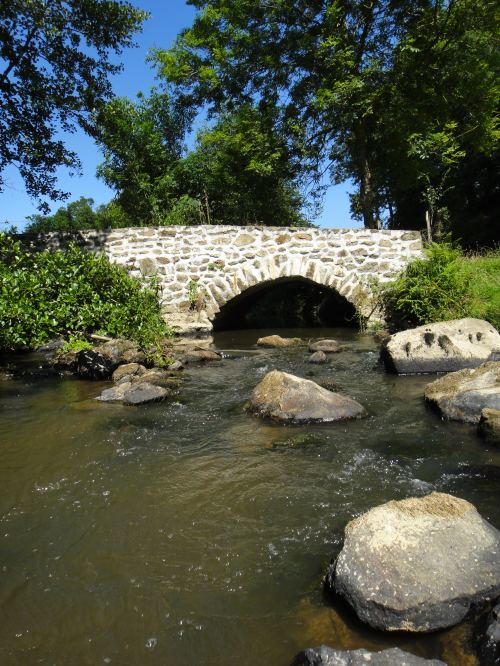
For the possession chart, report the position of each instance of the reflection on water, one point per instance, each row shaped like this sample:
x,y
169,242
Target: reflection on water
x,y
192,533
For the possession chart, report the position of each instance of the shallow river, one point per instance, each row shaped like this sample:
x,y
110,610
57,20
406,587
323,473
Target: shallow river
x,y
190,533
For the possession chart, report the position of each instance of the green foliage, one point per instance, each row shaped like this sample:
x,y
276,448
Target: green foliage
x,y
239,171
46,294
482,274
193,293
357,86
78,215
55,61
445,285
142,141
75,344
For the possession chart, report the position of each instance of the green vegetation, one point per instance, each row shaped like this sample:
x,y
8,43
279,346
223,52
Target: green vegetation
x,y
446,284
78,215
75,344
240,170
401,98
74,293
55,68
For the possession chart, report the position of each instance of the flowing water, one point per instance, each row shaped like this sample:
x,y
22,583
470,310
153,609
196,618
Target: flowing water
x,y
190,532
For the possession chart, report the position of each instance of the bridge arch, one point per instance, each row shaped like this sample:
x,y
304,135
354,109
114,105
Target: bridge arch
x,y
226,288
286,302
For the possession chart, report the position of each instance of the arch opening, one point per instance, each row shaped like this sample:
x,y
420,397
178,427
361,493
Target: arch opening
x,y
292,302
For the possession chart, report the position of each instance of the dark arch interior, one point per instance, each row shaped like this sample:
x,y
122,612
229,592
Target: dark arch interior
x,y
286,303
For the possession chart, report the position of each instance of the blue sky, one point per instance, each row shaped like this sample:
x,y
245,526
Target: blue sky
x,y
167,18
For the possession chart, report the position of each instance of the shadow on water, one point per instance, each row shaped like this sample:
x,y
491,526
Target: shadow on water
x,y
191,532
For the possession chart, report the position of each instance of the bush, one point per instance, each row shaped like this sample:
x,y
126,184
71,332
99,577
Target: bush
x,y
72,293
445,285
430,289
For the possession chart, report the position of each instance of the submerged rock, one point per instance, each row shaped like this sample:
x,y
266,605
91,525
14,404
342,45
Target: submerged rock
x,y
442,347
327,656
489,644
200,356
418,564
318,357
489,425
326,346
462,395
284,397
278,341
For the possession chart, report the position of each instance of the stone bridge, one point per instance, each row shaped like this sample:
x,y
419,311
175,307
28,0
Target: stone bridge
x,y
203,268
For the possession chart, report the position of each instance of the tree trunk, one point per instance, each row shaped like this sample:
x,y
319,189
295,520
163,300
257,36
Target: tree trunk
x,y
365,180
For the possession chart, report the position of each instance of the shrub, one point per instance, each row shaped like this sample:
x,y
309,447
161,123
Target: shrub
x,y
46,294
430,289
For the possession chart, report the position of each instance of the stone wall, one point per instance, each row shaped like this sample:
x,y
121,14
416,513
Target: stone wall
x,y
202,268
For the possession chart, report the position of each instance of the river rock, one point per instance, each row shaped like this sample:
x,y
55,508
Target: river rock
x,y
278,341
442,347
326,346
67,362
116,393
489,425
134,355
140,394
101,361
327,656
158,377
284,397
128,370
462,395
489,644
318,357
200,356
418,564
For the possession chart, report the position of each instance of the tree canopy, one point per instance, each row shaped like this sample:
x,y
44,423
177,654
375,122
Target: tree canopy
x,y
356,83
239,170
55,67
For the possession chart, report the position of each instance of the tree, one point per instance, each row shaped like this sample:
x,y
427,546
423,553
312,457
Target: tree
x,y
78,215
353,80
240,171
55,59
142,141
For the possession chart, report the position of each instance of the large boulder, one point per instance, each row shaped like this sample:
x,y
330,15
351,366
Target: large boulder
x,y
327,656
418,564
442,347
462,395
278,341
489,425
287,398
326,346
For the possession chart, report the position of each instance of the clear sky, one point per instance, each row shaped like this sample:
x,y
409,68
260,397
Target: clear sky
x,y
167,18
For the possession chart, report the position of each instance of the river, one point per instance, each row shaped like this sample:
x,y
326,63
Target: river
x,y
190,532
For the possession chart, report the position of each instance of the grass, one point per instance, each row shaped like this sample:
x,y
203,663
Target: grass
x,y
482,273
445,284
